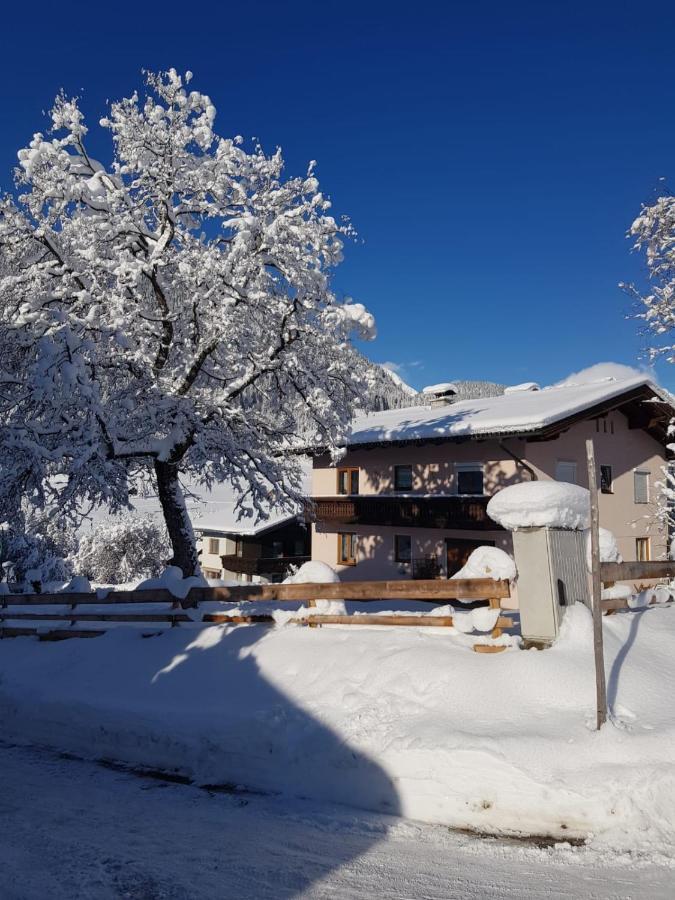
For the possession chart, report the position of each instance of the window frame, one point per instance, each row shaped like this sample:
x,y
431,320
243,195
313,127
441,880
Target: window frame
x,y
610,488
348,472
647,544
346,560
647,475
396,484
214,541
567,462
470,467
397,557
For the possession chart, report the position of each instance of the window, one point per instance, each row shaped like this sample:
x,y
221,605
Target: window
x,y
402,548
403,478
214,546
641,483
347,548
211,573
277,549
348,481
642,550
606,480
566,470
239,547
298,547
469,478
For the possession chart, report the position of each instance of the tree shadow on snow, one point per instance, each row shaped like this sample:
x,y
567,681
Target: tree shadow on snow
x,y
259,738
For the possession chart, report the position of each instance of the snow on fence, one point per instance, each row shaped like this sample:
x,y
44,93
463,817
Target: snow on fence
x,y
57,616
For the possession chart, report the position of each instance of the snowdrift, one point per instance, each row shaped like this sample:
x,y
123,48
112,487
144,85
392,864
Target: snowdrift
x,y
400,721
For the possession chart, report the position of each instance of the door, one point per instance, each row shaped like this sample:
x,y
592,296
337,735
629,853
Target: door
x,y
458,550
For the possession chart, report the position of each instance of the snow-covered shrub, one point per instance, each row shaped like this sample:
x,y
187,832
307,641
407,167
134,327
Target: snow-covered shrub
x,y
34,558
34,548
123,550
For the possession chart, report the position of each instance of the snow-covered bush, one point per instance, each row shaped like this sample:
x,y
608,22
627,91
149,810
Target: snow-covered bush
x,y
121,551
35,548
34,558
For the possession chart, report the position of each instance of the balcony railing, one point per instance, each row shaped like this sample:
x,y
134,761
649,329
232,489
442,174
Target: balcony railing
x,y
262,565
424,512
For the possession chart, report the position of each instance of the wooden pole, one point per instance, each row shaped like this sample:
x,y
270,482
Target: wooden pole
x,y
600,686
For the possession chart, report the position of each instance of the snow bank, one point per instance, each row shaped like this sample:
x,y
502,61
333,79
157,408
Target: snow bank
x,y
488,562
173,581
609,549
78,584
313,571
395,720
553,504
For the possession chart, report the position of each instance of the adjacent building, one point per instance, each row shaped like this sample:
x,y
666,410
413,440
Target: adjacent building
x,y
409,497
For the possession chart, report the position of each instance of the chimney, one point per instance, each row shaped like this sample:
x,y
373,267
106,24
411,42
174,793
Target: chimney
x,y
440,394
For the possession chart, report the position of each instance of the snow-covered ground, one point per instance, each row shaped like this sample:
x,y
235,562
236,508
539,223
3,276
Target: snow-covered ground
x,y
403,721
75,830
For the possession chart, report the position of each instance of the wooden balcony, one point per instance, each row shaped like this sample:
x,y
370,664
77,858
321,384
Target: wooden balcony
x,y
424,512
262,565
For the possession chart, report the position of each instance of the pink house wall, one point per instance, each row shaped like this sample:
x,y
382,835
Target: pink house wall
x,y
434,474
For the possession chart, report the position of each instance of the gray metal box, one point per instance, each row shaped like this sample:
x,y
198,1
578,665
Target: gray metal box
x,y
552,574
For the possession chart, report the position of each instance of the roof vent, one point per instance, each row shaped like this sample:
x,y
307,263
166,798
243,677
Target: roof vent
x,y
440,394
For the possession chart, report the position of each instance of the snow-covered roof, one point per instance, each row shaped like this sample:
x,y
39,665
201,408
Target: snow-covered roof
x,y
518,412
445,387
215,510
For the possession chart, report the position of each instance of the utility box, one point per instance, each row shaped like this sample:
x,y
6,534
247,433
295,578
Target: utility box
x,y
552,575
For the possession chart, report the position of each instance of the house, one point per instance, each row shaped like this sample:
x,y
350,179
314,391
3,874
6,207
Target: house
x,y
265,551
409,497
235,546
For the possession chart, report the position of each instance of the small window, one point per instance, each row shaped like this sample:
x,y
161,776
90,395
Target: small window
x,y
566,470
214,546
606,480
641,483
277,549
643,551
402,548
403,480
469,479
348,481
239,547
347,548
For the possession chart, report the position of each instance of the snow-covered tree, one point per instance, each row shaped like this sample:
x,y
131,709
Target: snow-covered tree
x,y
144,303
116,552
653,233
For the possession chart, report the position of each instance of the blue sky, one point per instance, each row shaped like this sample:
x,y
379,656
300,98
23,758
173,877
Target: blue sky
x,y
491,155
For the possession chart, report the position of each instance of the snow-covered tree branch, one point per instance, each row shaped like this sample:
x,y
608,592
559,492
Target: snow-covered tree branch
x,y
146,306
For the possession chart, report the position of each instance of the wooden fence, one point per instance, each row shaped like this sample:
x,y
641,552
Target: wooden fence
x,y
57,616
638,572
60,616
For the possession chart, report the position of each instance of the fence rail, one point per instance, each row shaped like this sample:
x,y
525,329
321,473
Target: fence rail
x,y
635,571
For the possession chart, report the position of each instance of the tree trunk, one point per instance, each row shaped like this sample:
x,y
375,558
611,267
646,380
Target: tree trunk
x,y
176,518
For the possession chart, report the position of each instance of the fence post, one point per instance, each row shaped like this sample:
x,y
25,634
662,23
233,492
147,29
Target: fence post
x,y
600,686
